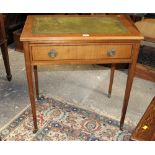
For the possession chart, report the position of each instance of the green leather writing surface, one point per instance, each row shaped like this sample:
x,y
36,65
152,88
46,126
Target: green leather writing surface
x,y
78,25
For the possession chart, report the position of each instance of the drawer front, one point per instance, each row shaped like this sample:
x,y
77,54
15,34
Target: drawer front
x,y
44,52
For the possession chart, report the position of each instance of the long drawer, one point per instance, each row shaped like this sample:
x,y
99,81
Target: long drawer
x,y
77,52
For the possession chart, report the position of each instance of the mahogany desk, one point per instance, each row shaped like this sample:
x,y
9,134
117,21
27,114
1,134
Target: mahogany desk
x,y
79,40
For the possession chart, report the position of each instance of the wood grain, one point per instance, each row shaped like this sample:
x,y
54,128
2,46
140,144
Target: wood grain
x,y
35,69
145,72
147,28
30,84
80,52
4,48
113,66
131,72
145,129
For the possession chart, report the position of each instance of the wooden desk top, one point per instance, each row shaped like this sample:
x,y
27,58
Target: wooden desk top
x,y
97,27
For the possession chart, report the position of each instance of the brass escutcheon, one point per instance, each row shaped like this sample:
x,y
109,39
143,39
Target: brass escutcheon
x,y
53,53
111,52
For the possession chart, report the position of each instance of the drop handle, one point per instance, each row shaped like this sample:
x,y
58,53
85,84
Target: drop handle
x,y
111,52
52,53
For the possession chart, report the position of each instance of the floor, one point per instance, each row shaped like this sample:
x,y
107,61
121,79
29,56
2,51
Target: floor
x,y
85,86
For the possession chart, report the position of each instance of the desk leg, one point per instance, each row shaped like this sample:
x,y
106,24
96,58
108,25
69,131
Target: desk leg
x,y
111,79
36,81
30,84
131,72
5,56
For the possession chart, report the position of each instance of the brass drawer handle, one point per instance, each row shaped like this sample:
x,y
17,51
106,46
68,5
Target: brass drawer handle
x,y
53,53
111,52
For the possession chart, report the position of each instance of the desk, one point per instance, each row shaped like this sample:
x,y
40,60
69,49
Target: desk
x,y
79,40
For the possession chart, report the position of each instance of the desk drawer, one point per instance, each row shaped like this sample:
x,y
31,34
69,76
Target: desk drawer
x,y
77,52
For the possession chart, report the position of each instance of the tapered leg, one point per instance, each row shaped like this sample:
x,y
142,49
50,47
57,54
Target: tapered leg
x,y
36,81
30,84
131,72
111,79
5,56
